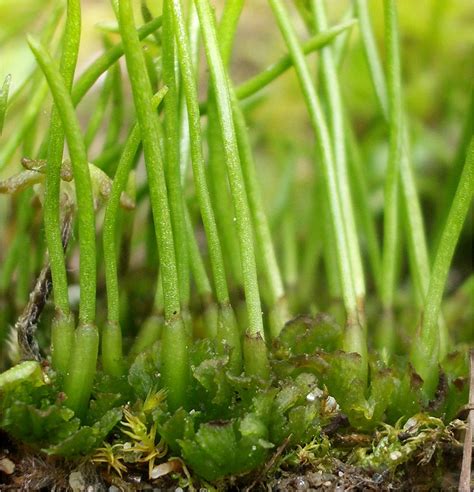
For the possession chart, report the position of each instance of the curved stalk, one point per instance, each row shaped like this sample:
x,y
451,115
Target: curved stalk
x,y
82,363
82,179
106,60
425,351
267,76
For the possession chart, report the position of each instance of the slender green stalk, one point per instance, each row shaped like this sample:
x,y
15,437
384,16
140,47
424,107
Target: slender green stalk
x,y
361,195
415,232
202,192
336,120
231,157
86,219
52,215
82,363
106,60
228,26
148,17
223,207
228,332
355,337
174,338
149,124
330,255
372,56
324,146
395,101
265,77
184,138
13,255
171,155
313,247
111,345
117,114
342,43
425,352
264,246
454,173
255,361
97,117
4,91
218,183
203,284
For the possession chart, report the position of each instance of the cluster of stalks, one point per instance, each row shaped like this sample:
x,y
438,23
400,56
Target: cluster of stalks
x,y
206,147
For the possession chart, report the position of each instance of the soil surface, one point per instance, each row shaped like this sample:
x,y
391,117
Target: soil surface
x,y
22,470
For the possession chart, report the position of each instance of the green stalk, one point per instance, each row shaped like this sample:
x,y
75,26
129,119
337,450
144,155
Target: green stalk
x,y
361,195
239,197
415,232
201,279
425,351
279,313
219,183
62,327
231,335
4,91
342,43
174,338
111,337
184,139
81,368
330,255
106,60
336,120
267,76
171,155
82,364
86,219
228,26
454,173
203,284
311,255
117,114
37,100
202,192
372,56
391,183
97,117
355,339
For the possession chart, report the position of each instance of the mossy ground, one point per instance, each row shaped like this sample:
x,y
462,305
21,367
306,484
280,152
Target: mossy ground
x,y
433,464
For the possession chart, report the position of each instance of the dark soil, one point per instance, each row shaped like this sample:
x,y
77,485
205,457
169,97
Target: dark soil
x,y
23,470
